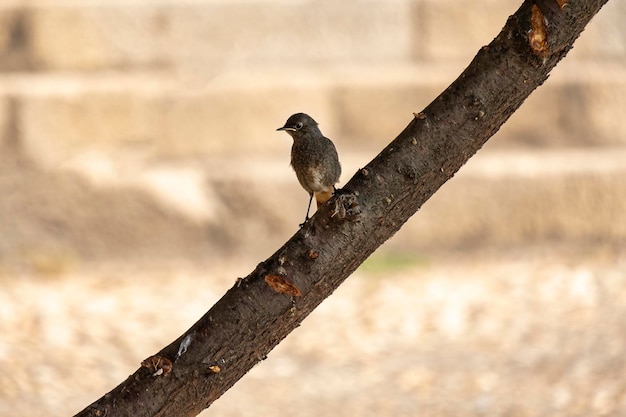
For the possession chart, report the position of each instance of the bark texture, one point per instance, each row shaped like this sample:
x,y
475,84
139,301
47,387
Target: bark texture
x,y
261,309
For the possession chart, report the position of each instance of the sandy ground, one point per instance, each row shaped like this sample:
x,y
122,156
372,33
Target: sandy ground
x,y
523,333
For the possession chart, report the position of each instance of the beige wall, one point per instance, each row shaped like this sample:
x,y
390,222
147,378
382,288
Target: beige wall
x,y
146,94
216,77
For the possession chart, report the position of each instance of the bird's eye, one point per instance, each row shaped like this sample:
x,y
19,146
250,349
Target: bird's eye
x,y
299,126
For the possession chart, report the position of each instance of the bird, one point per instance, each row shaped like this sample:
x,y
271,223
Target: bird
x,y
313,158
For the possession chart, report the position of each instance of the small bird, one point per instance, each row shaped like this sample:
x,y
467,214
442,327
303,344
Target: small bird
x,y
313,158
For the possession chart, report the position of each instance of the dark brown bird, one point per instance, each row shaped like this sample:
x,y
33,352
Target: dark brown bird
x,y
313,158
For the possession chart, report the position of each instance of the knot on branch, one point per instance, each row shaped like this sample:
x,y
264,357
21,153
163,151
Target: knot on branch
x,y
282,284
158,365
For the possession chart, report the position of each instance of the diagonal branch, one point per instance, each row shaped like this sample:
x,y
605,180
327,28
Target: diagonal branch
x,y
263,308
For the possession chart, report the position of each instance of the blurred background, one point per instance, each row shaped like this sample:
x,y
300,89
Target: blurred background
x,y
141,174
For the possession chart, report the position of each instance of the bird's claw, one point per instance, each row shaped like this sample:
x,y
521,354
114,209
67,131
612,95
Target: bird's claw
x,y
345,206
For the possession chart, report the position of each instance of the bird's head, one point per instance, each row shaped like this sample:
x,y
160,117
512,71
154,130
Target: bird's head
x,y
299,125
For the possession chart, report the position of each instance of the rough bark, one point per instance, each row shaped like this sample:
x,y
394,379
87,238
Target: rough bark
x,y
260,310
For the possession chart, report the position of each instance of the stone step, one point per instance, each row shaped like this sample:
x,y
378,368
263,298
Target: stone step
x,y
205,37
526,198
118,207
501,198
59,117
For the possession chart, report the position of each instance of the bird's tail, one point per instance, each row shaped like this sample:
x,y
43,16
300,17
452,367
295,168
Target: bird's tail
x,y
323,196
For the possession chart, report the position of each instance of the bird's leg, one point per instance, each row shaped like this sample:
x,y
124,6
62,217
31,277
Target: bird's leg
x,y
306,219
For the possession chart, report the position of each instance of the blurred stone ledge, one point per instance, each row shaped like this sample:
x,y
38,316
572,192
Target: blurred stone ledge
x,y
55,118
79,35
115,207
501,198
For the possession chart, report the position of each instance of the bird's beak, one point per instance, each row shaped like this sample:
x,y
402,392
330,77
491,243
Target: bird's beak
x,y
286,128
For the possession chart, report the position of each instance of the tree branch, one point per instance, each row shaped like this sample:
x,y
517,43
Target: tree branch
x,y
263,308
